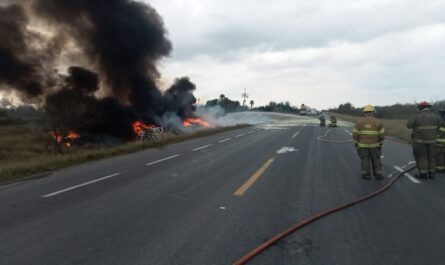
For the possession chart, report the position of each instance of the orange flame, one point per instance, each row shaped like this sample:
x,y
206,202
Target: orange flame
x,y
195,121
58,138
67,140
139,126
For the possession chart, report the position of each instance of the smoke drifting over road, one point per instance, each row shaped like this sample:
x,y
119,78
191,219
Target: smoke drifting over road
x,y
117,43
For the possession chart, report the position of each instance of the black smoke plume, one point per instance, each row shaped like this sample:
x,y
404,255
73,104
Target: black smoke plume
x,y
82,80
20,66
121,41
123,38
179,98
74,108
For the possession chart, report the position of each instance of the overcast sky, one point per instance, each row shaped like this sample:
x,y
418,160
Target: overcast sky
x,y
317,52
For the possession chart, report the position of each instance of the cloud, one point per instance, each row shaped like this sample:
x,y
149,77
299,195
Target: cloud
x,y
321,52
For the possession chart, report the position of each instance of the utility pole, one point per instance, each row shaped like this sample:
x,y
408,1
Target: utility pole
x,y
245,96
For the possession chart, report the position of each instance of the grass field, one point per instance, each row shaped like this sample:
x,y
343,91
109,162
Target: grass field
x,y
27,150
393,127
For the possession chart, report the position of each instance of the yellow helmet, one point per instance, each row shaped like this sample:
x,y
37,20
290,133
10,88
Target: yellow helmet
x,y
369,108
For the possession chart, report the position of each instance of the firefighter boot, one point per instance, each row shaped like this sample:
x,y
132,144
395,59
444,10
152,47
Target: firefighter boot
x,y
366,176
422,176
379,176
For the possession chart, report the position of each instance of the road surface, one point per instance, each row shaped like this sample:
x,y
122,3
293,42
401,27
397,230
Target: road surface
x,y
209,201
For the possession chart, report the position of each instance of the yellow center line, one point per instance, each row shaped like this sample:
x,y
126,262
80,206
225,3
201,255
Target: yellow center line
x,y
296,134
240,192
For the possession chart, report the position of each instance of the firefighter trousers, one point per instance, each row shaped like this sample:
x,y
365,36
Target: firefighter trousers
x,y
425,155
370,159
440,159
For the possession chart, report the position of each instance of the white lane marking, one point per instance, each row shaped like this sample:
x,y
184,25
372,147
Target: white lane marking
x,y
239,135
286,149
403,167
162,160
225,140
296,134
276,128
202,147
80,185
409,164
252,131
409,176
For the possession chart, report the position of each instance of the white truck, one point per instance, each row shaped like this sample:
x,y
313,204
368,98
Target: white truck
x,y
304,110
308,111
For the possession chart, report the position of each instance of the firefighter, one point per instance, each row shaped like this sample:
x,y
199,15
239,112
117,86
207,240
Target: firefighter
x,y
368,135
425,126
440,145
333,121
322,120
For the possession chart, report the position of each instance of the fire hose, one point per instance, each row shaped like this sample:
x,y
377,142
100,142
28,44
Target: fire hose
x,y
249,256
321,138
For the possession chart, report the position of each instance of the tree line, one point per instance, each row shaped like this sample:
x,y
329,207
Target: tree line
x,y
11,114
234,106
395,111
284,107
227,104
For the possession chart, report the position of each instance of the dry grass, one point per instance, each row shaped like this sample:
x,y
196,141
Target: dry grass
x,y
393,127
26,150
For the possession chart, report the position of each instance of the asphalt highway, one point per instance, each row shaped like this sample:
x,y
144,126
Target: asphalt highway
x,y
211,200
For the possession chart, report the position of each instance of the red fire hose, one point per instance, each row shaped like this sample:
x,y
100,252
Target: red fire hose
x,y
249,256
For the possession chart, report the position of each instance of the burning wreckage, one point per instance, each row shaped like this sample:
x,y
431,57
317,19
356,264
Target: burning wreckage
x,y
114,95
